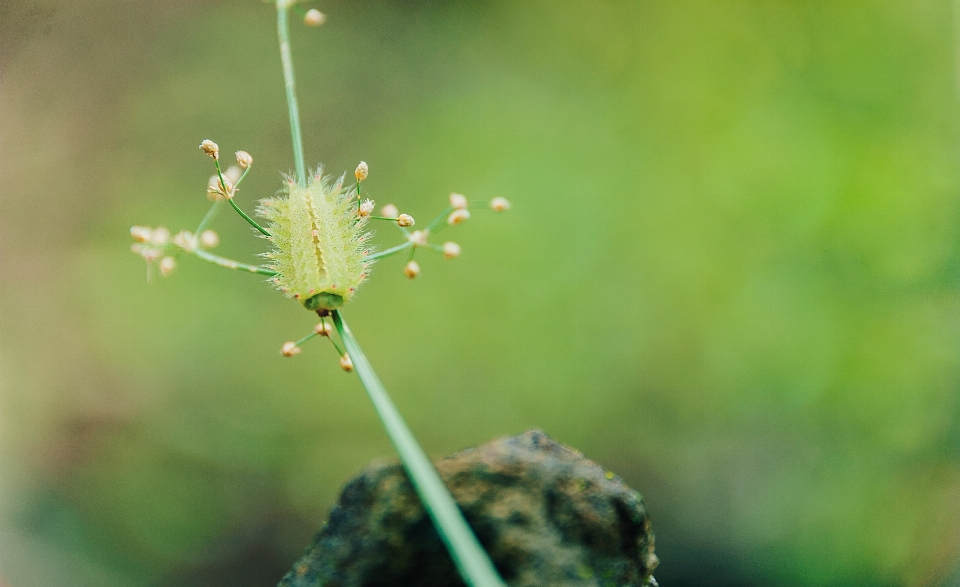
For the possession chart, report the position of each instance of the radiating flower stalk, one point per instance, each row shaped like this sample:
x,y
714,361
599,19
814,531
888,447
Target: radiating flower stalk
x,y
321,255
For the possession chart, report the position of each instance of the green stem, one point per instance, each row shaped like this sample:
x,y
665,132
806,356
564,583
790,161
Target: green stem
x,y
388,252
283,31
475,566
231,264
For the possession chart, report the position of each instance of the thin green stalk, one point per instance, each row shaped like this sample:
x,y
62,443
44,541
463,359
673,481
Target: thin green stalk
x,y
283,30
231,264
472,561
388,252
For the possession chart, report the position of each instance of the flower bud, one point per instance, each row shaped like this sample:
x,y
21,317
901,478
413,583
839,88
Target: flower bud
x,y
346,364
210,148
233,174
159,236
244,159
418,238
141,234
389,211
451,250
458,216
209,239
323,329
167,265
289,349
314,17
405,220
366,207
458,201
500,204
362,171
411,269
184,239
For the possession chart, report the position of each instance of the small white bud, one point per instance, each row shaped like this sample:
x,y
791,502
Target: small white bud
x,y
451,250
366,207
314,18
167,265
346,364
405,220
419,238
458,201
209,239
141,234
150,254
458,216
500,204
244,159
411,269
323,329
210,148
289,349
362,171
232,174
185,240
389,211
159,237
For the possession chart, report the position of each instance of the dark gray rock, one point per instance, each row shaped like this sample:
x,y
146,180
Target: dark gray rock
x,y
547,515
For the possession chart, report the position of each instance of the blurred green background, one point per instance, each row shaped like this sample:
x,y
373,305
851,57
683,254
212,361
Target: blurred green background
x,y
731,275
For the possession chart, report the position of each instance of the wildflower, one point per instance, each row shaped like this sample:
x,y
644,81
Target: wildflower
x,y
458,216
345,363
185,240
451,250
141,234
323,329
159,236
411,269
390,211
362,171
314,17
210,148
458,201
500,204
209,239
167,265
419,237
244,159
366,207
289,349
405,220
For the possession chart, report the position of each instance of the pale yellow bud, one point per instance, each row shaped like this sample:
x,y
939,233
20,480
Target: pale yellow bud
x,y
323,329
362,171
167,265
366,207
346,364
209,239
185,240
314,18
233,174
405,220
458,201
244,159
159,236
289,349
141,234
150,254
458,216
419,238
411,269
451,250
500,204
210,148
389,211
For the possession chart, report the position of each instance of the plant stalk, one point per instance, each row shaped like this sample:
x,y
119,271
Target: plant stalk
x,y
472,561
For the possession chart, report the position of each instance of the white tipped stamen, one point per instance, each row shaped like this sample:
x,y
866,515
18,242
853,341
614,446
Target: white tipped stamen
x,y
500,204
405,220
209,239
362,171
458,201
244,159
289,349
451,250
167,265
314,17
411,269
346,364
366,207
141,234
390,211
419,238
159,237
210,148
458,216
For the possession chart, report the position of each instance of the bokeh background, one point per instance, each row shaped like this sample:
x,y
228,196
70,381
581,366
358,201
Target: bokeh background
x,y
731,275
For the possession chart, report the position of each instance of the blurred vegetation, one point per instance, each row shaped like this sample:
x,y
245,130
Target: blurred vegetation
x,y
731,275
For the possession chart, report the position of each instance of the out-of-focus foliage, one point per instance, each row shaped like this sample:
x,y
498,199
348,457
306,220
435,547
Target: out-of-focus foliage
x,y
731,275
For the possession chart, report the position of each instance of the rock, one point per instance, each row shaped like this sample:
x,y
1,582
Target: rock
x,y
547,515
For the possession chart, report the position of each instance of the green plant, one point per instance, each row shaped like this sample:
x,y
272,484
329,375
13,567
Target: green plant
x,y
321,254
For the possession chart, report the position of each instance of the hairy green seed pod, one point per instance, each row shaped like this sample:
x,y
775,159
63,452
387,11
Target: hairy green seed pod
x,y
319,242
